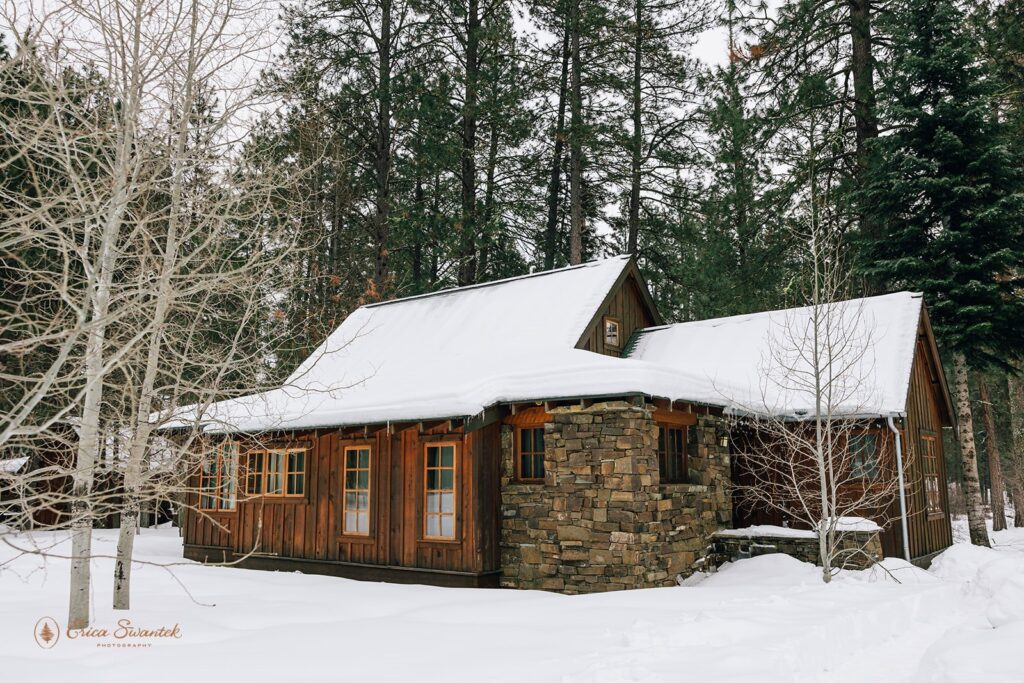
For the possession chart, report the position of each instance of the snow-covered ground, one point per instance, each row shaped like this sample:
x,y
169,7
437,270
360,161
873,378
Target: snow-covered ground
x,y
765,619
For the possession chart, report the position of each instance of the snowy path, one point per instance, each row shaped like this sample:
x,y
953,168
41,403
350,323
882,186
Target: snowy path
x,y
766,619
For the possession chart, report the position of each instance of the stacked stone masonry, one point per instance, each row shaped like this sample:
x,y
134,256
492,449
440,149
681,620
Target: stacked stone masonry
x,y
601,520
854,549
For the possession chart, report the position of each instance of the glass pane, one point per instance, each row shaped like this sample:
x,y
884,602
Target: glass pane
x,y
524,440
447,477
447,502
661,439
432,480
296,461
351,459
351,522
433,525
273,483
538,465
350,501
447,456
300,484
364,458
433,502
363,501
432,456
364,522
538,439
364,479
448,526
525,469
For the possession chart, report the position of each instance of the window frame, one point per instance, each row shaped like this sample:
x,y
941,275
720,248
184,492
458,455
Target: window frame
x,y
367,446
518,436
454,514
929,454
618,331
664,428
216,494
879,446
283,475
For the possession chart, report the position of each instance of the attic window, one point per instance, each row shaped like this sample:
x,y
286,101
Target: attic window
x,y
612,332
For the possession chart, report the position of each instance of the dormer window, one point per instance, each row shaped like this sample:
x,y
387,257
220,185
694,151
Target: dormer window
x,y
612,332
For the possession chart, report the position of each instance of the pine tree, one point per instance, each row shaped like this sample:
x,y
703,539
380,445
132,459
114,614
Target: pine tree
x,y
948,194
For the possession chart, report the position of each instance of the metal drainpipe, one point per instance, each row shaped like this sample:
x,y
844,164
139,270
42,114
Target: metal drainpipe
x,y
903,493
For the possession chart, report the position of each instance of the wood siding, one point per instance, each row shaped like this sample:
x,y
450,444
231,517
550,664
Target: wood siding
x,y
310,527
928,533
626,304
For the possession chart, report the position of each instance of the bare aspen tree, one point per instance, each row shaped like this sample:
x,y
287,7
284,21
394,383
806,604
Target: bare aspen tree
x,y
807,450
166,253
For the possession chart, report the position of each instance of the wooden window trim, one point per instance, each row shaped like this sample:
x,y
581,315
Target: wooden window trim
x,y
518,450
370,498
454,538
933,456
680,426
604,331
284,496
216,491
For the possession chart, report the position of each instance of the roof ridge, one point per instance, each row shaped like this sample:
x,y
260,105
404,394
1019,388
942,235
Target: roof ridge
x,y
480,285
724,318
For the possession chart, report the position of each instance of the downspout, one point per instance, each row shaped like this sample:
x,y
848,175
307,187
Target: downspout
x,y
903,493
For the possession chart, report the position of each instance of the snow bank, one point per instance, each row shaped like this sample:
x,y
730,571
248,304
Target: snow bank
x,y
13,465
765,530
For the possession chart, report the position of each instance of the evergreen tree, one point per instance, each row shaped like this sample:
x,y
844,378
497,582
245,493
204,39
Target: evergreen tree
x,y
948,193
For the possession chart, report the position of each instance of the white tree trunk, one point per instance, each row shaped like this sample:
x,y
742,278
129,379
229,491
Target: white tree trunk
x,y
969,454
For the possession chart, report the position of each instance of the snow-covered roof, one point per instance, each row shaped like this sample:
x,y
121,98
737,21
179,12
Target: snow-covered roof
x,y
454,353
13,465
447,354
761,363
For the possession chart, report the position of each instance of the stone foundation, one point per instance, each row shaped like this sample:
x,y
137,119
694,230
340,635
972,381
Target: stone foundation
x,y
857,549
601,520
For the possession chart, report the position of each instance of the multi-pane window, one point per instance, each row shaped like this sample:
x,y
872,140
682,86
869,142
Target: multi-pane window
x,y
612,332
672,455
356,510
275,472
863,450
218,478
930,463
439,499
531,453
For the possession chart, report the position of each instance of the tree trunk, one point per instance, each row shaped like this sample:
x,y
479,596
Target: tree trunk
x,y
865,117
1016,474
636,142
575,143
382,160
467,247
995,469
969,453
554,184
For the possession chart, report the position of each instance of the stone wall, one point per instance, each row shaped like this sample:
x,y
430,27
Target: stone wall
x,y
601,520
857,549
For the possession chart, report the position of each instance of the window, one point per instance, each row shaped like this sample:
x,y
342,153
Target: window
x,y
217,478
276,472
439,517
612,332
863,450
356,510
672,455
531,453
930,462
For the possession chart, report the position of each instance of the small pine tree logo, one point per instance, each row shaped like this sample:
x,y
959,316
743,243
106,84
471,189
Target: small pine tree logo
x,y
47,633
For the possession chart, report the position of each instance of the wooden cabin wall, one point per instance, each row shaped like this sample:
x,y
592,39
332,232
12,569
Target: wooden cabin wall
x,y
310,527
928,533
627,306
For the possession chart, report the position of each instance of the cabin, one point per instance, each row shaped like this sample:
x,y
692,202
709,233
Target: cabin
x,y
547,431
